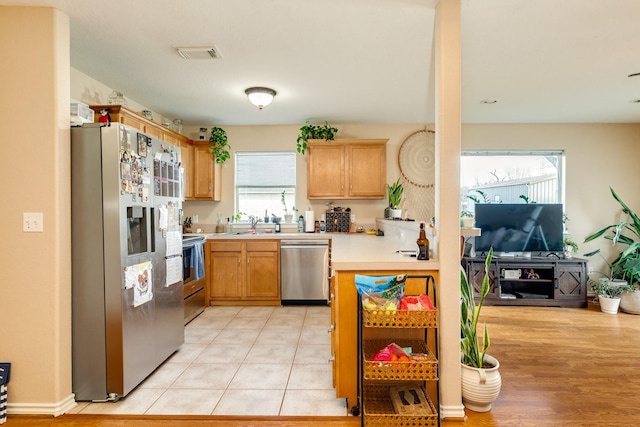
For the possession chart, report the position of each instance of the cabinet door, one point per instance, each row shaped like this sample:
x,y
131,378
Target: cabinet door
x,y
225,275
367,171
187,153
475,275
263,276
571,283
325,171
202,172
132,121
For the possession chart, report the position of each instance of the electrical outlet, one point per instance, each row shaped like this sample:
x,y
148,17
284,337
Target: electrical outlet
x,y
32,222
590,271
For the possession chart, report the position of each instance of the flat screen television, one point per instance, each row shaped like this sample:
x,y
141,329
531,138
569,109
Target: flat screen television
x,y
512,228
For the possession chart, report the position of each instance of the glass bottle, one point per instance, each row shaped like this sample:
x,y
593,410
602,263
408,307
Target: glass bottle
x,y
423,244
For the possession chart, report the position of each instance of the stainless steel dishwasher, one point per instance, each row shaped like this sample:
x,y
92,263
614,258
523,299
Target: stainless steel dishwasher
x,y
304,271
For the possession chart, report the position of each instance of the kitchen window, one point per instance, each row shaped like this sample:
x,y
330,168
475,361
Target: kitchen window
x,y
261,177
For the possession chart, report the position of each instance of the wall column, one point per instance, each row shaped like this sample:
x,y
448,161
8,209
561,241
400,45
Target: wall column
x,y
448,136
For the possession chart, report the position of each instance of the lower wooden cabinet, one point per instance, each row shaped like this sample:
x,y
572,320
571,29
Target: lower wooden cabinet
x,y
243,271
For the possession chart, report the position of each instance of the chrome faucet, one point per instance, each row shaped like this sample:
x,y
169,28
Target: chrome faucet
x,y
254,221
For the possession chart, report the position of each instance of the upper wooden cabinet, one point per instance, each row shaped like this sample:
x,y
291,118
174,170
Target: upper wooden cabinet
x,y
202,175
206,173
187,151
347,169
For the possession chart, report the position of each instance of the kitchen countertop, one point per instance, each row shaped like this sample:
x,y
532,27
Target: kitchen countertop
x,y
352,251
368,252
269,236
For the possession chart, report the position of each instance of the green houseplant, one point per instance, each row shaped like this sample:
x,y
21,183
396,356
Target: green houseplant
x,y
481,381
219,146
466,219
626,265
308,131
394,197
608,294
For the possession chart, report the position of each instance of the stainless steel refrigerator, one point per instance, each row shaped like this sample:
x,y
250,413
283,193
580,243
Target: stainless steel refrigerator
x,y
127,289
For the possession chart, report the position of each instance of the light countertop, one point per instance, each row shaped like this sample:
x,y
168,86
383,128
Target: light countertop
x,y
352,251
370,252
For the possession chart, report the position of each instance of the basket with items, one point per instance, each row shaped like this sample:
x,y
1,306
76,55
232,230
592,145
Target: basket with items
x,y
397,366
385,305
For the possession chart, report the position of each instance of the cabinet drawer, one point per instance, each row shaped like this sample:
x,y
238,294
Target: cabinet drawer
x,y
263,246
226,246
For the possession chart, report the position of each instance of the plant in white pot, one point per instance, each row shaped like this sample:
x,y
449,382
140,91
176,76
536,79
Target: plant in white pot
x,y
626,265
608,294
481,380
288,217
466,219
394,192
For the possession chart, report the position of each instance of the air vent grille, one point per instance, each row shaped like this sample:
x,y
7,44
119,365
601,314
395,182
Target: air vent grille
x,y
199,52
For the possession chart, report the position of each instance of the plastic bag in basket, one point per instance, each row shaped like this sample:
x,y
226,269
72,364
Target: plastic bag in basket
x,y
413,302
380,292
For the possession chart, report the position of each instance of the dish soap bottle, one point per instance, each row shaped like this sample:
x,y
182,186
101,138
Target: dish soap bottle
x,y
423,244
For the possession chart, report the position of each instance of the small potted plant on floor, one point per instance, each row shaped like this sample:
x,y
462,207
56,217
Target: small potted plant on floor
x,y
481,381
608,294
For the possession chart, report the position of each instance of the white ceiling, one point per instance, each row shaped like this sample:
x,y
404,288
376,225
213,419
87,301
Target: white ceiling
x,y
361,61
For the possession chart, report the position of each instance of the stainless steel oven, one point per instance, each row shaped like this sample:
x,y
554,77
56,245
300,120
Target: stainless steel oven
x,y
194,300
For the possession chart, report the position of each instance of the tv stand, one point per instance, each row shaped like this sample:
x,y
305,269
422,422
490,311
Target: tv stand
x,y
533,281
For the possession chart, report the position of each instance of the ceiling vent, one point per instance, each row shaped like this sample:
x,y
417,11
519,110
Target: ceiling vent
x,y
199,52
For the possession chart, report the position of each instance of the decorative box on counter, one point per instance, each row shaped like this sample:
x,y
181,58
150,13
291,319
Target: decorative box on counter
x,y
338,222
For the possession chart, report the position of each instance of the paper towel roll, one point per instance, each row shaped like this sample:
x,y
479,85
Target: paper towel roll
x,y
309,222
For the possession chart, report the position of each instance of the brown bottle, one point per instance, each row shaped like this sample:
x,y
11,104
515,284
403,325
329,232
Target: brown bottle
x,y
423,244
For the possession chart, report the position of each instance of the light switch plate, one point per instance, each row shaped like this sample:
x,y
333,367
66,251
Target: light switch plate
x,y
32,222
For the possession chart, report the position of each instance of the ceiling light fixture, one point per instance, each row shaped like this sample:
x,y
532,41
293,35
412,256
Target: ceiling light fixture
x,y
260,96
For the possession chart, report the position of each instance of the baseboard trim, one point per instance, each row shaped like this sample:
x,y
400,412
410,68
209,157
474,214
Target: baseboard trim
x,y
452,413
53,409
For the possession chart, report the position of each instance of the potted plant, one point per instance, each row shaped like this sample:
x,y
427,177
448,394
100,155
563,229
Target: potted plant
x,y
288,217
394,192
626,265
219,146
481,381
608,294
570,246
466,219
307,132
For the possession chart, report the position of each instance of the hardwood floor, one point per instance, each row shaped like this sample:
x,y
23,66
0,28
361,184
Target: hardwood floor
x,y
559,366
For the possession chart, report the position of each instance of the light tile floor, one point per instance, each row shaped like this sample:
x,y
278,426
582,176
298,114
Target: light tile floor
x,y
241,361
